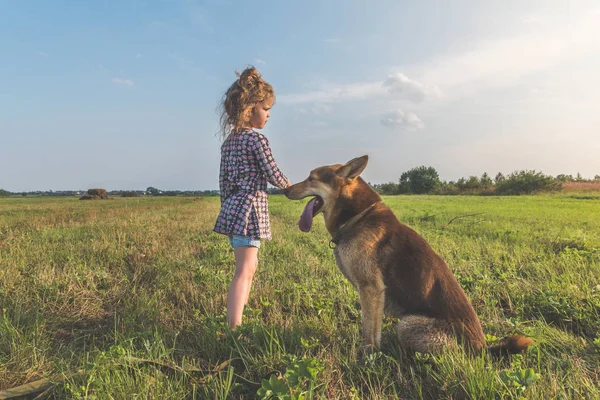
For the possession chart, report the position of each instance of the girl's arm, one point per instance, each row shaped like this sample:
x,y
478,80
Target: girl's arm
x,y
267,163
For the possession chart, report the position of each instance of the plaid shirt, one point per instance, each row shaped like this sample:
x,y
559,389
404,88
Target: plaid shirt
x,y
246,166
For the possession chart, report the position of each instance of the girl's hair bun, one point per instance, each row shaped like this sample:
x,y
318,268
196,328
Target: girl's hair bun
x,y
247,91
250,79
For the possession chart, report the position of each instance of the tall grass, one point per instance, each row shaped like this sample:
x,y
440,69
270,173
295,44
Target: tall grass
x,y
126,298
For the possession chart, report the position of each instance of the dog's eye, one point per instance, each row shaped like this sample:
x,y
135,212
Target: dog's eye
x,y
310,178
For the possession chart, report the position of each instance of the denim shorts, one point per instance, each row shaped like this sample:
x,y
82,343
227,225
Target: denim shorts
x,y
243,241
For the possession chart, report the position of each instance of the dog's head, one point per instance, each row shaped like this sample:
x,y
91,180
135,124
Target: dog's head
x,y
325,184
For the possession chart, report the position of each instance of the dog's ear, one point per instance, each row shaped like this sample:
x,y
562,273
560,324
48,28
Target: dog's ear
x,y
354,167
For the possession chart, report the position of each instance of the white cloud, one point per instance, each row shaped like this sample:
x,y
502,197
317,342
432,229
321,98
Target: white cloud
x,y
501,61
336,93
409,88
43,54
319,124
401,119
139,55
482,77
535,18
320,108
123,82
259,61
317,109
488,63
395,83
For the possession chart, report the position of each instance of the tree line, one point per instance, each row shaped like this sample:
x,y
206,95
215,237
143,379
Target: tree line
x,y
426,180
419,180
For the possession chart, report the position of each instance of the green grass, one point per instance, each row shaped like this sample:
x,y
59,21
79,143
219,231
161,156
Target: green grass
x,y
126,299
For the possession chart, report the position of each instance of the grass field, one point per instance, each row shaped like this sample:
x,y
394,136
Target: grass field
x,y
126,299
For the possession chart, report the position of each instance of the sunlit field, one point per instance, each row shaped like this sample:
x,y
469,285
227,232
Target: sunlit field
x,y
125,298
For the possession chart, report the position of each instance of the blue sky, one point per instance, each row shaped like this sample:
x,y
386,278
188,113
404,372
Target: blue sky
x,y
123,94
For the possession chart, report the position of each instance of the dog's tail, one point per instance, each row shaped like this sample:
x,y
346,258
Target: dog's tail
x,y
510,345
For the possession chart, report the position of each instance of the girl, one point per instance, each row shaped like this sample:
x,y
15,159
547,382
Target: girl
x,y
246,166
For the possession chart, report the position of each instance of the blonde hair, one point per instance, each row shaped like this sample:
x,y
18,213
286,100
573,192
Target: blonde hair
x,y
246,92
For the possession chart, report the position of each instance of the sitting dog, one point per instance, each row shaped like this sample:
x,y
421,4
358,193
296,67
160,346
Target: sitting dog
x,y
393,268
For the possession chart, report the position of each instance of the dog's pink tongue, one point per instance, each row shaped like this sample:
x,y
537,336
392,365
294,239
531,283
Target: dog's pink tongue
x,y
306,218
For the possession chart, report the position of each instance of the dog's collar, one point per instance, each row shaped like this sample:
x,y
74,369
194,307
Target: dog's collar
x,y
352,221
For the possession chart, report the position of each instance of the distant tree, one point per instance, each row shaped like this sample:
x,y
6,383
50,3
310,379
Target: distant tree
x,y
499,178
564,178
4,192
419,180
130,194
527,182
448,188
579,178
472,183
153,191
597,177
388,188
485,181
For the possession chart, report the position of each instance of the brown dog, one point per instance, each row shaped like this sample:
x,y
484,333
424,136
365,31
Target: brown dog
x,y
393,268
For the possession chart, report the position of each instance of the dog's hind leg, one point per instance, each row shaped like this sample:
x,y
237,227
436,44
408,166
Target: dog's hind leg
x,y
372,299
423,334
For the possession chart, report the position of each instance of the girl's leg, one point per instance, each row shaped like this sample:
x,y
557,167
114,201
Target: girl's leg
x,y
250,285
246,261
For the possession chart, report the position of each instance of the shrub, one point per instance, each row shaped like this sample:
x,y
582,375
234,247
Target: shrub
x,y
419,180
527,182
448,188
388,188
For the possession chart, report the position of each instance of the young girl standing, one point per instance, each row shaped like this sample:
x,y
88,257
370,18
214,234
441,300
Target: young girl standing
x,y
247,164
